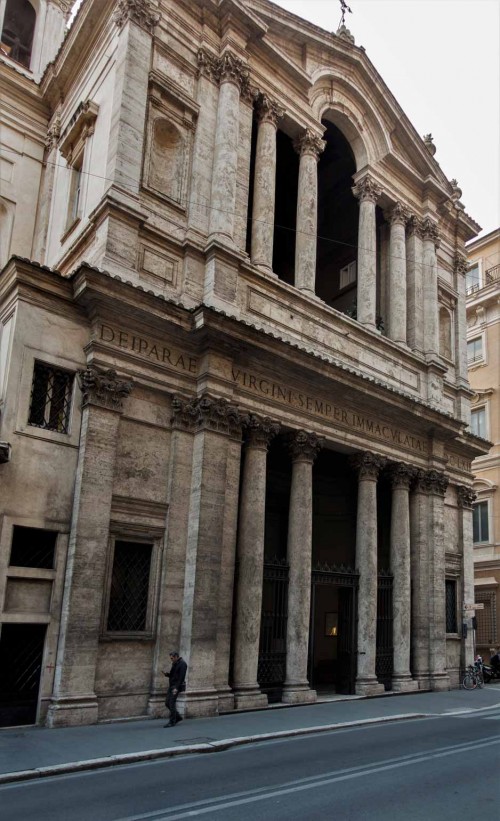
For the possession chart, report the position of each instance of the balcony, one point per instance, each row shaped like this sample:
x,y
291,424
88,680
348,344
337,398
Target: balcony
x,y
491,275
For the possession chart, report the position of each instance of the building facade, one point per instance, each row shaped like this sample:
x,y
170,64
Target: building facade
x,y
233,373
483,354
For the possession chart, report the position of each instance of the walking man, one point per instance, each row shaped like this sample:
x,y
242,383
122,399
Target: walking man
x,y
176,685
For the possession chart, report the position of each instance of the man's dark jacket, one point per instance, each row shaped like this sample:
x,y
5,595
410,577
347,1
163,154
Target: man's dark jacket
x,y
177,675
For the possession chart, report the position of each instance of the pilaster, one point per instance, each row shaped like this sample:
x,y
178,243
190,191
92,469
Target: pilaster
x,y
398,218
465,500
437,483
415,286
368,193
74,700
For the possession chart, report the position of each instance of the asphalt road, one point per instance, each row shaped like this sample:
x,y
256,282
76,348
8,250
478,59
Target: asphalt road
x,y
434,768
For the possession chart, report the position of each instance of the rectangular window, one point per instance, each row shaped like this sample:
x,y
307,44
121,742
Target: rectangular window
x,y
50,403
75,192
128,601
480,529
472,279
475,350
347,275
33,547
451,606
478,422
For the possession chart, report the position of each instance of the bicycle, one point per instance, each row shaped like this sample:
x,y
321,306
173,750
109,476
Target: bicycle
x,y
473,678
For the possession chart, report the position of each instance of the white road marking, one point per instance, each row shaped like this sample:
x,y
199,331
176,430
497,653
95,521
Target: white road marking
x,y
221,803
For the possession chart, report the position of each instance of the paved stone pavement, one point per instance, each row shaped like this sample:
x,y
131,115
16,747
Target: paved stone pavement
x,y
33,752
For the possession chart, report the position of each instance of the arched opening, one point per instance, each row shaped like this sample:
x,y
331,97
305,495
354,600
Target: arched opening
x,y
285,213
337,245
166,168
18,31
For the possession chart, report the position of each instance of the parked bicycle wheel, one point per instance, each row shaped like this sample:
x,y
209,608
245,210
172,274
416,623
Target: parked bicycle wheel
x,y
469,682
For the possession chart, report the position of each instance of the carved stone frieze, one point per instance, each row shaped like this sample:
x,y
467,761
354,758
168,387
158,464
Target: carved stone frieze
x,y
398,214
430,231
309,143
465,496
259,430
104,388
460,264
206,413
367,189
141,12
268,110
304,446
368,465
401,475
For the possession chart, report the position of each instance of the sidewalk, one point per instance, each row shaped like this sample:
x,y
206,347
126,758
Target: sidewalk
x,y
33,752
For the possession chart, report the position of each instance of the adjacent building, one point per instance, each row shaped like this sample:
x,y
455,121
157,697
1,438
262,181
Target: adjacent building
x,y
483,355
233,368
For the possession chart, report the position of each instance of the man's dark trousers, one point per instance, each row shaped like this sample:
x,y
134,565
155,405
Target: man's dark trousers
x,y
171,702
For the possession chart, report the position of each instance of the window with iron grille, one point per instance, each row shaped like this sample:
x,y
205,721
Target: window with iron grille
x,y
451,606
50,403
33,547
129,595
480,528
486,619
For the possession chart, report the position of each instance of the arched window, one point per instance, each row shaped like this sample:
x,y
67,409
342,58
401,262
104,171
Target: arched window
x,y
18,30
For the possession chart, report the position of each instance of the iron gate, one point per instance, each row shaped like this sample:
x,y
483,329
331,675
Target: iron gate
x,y
21,653
272,652
385,649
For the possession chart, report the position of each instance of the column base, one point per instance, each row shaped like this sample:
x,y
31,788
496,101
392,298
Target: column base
x,y
249,698
298,694
404,684
368,687
422,680
198,703
225,699
72,711
440,681
156,705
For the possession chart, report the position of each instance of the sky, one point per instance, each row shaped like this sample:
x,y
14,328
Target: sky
x,y
441,61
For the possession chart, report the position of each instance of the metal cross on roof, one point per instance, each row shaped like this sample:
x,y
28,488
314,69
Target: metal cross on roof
x,y
344,7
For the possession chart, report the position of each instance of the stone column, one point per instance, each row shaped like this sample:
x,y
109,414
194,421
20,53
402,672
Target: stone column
x,y
368,192
419,517
415,287
431,322
74,700
401,476
251,563
304,447
465,499
309,146
437,483
216,423
268,113
463,400
233,76
396,329
368,466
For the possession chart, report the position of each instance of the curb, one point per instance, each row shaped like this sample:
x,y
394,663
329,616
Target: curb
x,y
188,749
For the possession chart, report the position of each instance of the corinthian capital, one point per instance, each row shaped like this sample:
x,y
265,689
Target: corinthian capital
x,y
206,413
259,430
309,143
141,12
401,475
430,231
399,214
304,446
368,465
414,226
103,388
367,189
268,110
53,133
233,70
436,482
460,264
465,496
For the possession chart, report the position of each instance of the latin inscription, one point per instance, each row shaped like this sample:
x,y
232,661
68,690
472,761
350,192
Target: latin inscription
x,y
344,417
149,349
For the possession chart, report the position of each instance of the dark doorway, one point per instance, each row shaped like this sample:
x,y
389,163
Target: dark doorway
x,y
285,212
21,654
332,649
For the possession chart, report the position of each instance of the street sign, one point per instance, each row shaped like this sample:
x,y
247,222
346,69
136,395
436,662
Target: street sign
x,y
470,608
